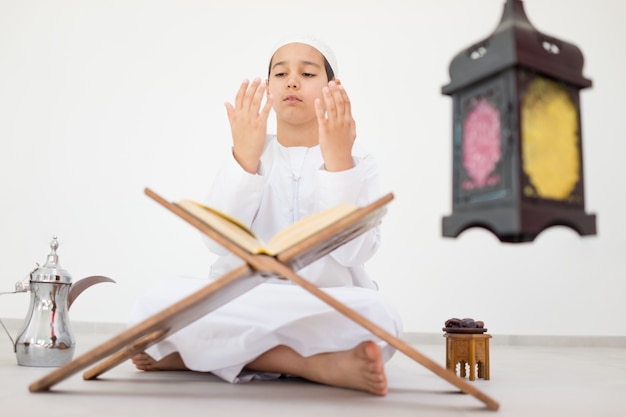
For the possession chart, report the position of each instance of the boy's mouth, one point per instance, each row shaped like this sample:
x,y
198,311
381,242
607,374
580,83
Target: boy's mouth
x,y
292,99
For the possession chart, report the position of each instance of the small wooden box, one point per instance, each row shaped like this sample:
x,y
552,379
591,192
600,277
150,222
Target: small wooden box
x,y
468,349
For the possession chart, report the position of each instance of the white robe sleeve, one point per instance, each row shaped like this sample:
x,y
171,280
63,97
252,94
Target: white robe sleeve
x,y
236,192
358,186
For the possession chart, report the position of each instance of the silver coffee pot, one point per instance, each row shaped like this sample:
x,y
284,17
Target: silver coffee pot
x,y
46,337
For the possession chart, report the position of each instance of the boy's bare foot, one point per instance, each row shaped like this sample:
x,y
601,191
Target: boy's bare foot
x,y
360,368
172,362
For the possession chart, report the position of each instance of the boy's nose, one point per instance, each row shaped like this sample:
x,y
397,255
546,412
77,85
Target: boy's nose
x,y
292,82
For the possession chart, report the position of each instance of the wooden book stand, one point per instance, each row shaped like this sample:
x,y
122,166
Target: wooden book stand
x,y
238,281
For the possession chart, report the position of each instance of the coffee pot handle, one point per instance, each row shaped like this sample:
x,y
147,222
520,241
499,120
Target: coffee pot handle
x,y
20,286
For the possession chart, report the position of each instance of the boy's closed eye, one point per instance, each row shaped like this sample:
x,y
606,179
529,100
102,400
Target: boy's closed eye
x,y
304,74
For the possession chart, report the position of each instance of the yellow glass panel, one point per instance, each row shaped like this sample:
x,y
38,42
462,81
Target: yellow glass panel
x,y
550,150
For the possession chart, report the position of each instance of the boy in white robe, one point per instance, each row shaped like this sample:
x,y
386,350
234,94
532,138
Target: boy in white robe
x,y
270,182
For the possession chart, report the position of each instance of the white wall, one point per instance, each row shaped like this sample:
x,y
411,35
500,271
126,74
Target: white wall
x,y
99,99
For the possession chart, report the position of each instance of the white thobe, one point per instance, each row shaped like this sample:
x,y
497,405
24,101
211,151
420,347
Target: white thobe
x,y
290,184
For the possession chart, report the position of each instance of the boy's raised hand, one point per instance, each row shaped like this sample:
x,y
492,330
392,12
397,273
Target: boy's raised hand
x,y
337,128
248,123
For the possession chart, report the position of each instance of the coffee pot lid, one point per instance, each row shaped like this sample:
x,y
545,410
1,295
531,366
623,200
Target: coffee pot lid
x,y
51,271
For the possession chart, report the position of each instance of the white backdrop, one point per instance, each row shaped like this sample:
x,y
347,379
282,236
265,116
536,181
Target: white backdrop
x,y
99,99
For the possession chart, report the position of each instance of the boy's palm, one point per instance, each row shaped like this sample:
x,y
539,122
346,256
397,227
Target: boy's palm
x,y
337,129
248,123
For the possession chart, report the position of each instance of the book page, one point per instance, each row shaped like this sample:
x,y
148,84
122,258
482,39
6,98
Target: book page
x,y
300,230
238,233
226,225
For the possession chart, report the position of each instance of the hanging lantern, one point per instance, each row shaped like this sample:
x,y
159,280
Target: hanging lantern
x,y
517,137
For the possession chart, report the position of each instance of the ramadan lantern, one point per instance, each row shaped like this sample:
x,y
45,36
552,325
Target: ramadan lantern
x,y
517,137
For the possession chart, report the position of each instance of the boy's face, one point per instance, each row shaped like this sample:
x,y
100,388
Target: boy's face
x,y
296,79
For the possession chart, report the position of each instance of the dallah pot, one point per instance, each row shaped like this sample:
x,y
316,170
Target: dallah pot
x,y
46,338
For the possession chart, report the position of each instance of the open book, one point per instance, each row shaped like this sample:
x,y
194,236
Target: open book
x,y
241,235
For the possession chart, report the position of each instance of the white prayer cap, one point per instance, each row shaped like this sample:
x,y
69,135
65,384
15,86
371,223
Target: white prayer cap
x,y
311,41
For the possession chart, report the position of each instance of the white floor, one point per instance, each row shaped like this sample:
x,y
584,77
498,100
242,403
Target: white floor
x,y
525,380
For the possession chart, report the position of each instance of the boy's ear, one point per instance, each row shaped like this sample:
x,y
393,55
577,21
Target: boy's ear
x,y
338,81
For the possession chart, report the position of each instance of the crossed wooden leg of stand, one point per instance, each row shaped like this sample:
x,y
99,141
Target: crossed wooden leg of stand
x,y
157,327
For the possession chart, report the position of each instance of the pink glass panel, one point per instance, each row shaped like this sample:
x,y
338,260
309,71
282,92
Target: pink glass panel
x,y
481,145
